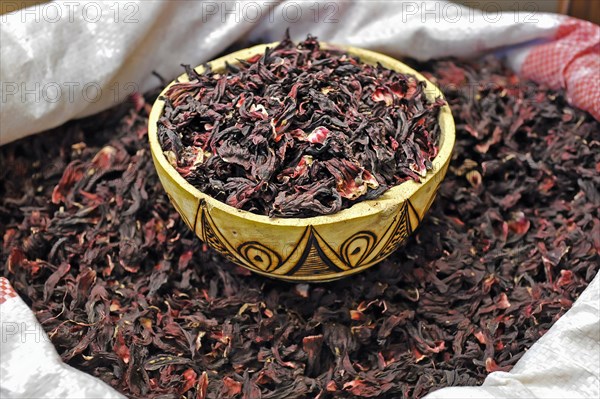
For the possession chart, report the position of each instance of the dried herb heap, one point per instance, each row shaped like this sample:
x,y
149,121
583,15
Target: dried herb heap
x,y
299,131
127,293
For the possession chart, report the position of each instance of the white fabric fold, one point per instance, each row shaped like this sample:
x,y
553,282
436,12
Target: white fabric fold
x,y
67,60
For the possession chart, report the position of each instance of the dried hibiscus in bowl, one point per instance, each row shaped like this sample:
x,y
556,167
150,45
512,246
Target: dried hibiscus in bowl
x,y
299,131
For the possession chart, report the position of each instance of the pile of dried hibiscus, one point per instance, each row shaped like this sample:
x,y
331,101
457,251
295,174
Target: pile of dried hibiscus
x,y
299,131
128,294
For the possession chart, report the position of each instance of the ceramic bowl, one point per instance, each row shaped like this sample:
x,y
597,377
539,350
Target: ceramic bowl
x,y
317,248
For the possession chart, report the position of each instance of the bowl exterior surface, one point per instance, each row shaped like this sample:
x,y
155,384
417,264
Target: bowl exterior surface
x,y
321,248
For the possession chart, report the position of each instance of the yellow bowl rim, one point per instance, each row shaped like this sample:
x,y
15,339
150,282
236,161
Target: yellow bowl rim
x,y
394,195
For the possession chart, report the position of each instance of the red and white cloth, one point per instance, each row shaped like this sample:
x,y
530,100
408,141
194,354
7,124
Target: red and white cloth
x,y
6,291
571,61
63,63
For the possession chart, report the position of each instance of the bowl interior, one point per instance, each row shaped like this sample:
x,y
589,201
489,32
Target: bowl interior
x,y
393,196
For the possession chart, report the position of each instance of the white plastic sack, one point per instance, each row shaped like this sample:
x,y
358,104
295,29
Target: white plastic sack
x,y
72,59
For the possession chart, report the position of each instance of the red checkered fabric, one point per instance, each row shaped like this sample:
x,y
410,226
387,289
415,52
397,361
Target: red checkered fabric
x,y
571,61
6,291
